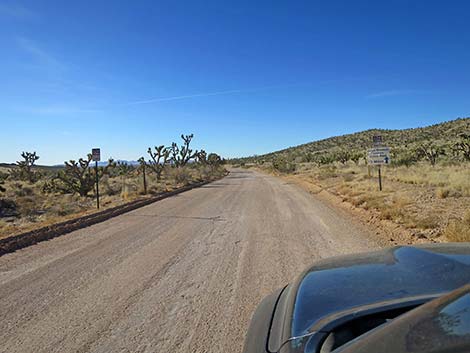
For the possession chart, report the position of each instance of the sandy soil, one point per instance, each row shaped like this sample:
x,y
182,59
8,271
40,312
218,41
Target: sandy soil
x,y
180,275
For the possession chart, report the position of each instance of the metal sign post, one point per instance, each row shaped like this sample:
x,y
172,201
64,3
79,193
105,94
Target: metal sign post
x,y
96,156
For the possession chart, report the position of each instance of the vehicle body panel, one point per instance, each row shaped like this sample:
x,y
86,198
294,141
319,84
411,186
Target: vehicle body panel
x,y
346,287
442,325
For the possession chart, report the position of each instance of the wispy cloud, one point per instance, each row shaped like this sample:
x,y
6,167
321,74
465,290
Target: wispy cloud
x,y
40,55
16,11
397,92
208,94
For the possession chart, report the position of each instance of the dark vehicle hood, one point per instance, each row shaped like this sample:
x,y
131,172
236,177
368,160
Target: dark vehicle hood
x,y
340,287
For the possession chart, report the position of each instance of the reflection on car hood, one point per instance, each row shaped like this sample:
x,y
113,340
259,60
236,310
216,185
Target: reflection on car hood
x,y
440,326
343,283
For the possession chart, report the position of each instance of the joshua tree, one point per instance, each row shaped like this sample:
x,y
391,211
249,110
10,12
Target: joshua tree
x,y
202,157
430,151
356,157
463,146
159,159
214,159
77,177
123,168
26,166
405,157
180,156
343,156
325,159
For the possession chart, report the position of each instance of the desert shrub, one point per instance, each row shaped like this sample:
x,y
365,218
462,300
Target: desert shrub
x,y
403,157
458,229
426,222
348,177
324,159
204,172
20,190
180,176
129,190
356,157
8,208
109,188
442,193
65,210
342,156
3,178
26,191
155,189
327,172
393,208
125,192
281,164
28,206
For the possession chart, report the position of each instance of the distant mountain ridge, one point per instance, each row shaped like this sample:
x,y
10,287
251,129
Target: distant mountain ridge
x,y
443,133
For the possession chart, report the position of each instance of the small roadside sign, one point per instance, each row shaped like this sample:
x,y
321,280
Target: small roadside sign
x,y
378,155
95,154
377,140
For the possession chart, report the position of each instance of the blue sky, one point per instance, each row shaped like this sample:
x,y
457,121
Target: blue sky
x,y
246,77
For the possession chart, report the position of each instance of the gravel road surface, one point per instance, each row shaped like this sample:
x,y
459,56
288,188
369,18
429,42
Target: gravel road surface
x,y
180,275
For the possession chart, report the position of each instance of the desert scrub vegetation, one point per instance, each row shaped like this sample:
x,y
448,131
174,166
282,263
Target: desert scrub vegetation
x,y
426,187
429,201
458,229
33,196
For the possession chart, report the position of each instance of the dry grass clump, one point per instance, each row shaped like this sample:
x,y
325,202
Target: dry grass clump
x,y
458,229
453,180
327,172
423,222
443,193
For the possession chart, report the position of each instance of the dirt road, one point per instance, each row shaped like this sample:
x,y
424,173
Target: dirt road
x,y
180,275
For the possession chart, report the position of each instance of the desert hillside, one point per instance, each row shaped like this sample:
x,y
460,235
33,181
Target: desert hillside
x,y
426,188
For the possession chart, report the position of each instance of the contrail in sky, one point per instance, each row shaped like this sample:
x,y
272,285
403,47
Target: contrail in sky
x,y
207,94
